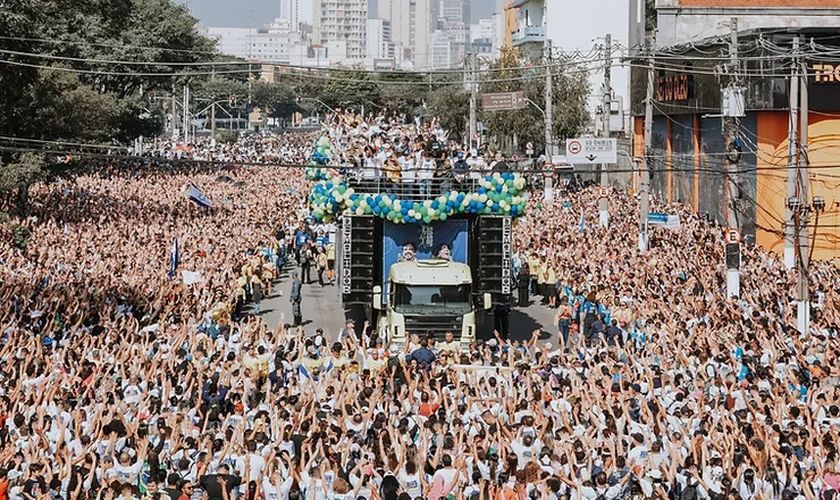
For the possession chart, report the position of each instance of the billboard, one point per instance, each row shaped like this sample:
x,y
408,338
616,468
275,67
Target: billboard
x,y
415,241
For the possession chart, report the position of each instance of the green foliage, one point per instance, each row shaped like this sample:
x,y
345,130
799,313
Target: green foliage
x,y
4,218
21,235
650,16
570,93
451,105
227,136
28,168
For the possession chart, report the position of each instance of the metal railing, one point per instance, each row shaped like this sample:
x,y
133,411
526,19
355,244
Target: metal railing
x,y
417,190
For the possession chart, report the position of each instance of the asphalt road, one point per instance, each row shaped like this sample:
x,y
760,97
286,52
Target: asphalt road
x,y
321,308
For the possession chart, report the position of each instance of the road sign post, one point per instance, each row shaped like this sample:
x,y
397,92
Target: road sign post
x,y
504,101
592,150
604,206
548,174
733,263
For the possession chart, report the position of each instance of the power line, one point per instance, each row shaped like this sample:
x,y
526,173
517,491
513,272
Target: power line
x,y
112,157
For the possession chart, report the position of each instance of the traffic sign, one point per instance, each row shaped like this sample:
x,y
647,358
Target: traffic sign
x,y
657,218
590,150
733,236
503,101
604,192
548,169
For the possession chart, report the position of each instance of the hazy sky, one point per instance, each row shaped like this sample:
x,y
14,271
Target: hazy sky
x,y
255,13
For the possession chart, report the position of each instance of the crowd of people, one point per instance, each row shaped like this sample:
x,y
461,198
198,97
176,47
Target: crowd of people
x,y
122,380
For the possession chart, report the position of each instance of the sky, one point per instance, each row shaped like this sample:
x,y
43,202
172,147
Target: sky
x,y
256,13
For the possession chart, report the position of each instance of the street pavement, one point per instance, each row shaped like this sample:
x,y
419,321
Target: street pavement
x,y
321,308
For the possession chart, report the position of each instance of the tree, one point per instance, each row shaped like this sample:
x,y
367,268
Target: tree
x,y
450,105
570,92
650,16
79,73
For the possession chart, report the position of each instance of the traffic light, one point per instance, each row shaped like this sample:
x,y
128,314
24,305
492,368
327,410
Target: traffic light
x,y
733,255
232,101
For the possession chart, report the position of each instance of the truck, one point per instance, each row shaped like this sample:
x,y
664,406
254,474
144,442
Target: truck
x,y
424,279
429,296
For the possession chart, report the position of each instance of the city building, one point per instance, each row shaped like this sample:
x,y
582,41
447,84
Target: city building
x,y
693,147
379,44
420,14
343,21
681,21
411,28
296,12
398,14
233,41
443,51
574,27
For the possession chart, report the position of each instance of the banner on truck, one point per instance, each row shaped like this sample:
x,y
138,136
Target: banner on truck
x,y
402,242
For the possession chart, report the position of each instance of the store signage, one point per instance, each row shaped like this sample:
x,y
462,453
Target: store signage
x,y
826,73
673,86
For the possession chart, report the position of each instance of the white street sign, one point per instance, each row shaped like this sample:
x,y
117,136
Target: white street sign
x,y
591,150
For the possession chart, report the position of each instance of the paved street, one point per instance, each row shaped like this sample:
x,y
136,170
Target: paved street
x,y
321,308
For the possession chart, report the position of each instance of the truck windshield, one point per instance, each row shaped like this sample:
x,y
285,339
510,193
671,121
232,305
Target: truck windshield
x,y
422,299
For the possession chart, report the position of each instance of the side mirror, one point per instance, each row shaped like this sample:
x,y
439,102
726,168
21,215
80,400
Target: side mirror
x,y
377,298
488,302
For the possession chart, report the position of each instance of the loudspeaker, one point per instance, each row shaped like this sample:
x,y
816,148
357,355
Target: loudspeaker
x,y
358,248
733,255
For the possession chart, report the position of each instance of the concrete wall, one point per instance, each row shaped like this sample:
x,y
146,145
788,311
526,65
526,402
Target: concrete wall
x,y
679,24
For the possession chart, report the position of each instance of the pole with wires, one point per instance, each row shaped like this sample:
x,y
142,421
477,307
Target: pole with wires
x,y
793,159
733,112
803,260
644,207
606,104
473,98
549,131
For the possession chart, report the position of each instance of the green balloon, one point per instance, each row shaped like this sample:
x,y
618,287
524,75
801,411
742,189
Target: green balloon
x,y
427,219
443,216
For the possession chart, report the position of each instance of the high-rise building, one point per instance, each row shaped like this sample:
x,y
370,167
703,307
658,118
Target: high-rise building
x,y
398,13
342,22
420,13
296,12
455,11
379,44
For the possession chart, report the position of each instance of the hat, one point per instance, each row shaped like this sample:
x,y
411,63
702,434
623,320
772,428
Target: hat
x,y
492,343
293,273
655,474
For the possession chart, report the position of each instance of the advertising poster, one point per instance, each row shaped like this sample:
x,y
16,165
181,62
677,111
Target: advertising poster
x,y
447,239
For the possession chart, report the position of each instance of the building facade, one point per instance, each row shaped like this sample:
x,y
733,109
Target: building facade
x,y
681,21
343,21
574,27
694,151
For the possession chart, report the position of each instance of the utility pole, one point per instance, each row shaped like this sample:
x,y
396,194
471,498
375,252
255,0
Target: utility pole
x,y
803,313
213,110
645,187
549,111
731,124
733,273
473,97
174,119
186,113
603,203
247,106
793,159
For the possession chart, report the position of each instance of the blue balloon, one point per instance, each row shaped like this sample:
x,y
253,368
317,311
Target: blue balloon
x,y
481,206
499,188
404,211
482,190
435,204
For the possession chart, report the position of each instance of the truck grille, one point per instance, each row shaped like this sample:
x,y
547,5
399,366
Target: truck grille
x,y
437,326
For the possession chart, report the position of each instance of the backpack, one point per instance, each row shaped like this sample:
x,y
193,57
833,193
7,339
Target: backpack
x,y
689,492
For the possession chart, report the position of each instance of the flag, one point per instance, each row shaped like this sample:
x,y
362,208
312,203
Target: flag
x,y
196,195
174,258
582,223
